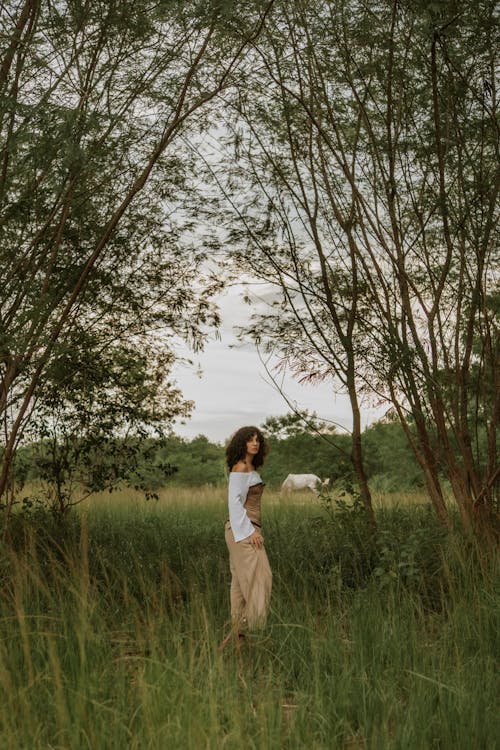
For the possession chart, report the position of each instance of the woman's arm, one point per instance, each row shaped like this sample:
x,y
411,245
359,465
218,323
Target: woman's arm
x,y
237,494
241,525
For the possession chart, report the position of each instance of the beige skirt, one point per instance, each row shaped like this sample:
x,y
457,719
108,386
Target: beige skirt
x,y
251,582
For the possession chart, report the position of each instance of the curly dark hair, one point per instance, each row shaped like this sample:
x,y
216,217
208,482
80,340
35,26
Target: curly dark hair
x,y
236,449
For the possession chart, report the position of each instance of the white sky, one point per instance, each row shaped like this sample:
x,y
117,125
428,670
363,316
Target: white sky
x,y
233,389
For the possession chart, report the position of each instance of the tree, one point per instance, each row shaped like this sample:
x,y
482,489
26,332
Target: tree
x,y
97,240
370,150
95,415
296,423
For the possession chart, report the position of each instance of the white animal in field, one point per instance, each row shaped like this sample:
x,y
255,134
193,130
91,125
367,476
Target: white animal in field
x,y
303,482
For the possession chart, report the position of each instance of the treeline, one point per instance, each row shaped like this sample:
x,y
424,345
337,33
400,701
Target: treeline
x,y
150,464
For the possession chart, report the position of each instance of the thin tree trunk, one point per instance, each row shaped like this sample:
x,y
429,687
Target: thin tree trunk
x,y
357,454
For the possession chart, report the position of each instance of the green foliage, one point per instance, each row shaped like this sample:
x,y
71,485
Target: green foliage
x,y
409,553
297,423
109,631
305,444
389,460
352,554
307,453
198,462
368,141
94,411
99,268
151,463
70,469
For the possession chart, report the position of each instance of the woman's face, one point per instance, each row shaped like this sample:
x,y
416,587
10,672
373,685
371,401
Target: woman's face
x,y
253,445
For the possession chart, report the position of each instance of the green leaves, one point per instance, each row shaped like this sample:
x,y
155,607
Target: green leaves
x,y
371,135
101,214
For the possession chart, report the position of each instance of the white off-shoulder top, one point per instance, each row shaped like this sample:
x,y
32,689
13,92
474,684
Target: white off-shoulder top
x,y
239,484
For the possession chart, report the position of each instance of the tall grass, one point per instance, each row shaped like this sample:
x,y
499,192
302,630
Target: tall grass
x,y
109,631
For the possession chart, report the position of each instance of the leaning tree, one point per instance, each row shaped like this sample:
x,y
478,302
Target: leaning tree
x,y
101,244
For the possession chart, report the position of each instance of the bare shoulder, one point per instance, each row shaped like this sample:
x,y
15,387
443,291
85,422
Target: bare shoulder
x,y
240,466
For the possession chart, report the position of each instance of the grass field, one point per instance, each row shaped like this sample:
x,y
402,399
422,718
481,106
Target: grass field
x,y
109,631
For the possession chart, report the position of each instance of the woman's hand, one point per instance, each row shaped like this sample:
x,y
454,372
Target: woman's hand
x,y
256,540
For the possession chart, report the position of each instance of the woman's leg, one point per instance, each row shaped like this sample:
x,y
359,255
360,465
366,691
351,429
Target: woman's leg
x,y
251,582
259,592
236,595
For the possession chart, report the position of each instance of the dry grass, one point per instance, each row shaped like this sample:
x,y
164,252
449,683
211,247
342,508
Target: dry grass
x,y
208,495
189,497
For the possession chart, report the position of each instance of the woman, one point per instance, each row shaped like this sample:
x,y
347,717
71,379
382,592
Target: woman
x,y
251,576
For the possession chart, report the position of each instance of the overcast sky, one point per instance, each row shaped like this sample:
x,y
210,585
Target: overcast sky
x,y
233,389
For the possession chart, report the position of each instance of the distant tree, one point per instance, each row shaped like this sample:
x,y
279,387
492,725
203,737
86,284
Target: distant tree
x,y
302,443
198,461
296,423
391,464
